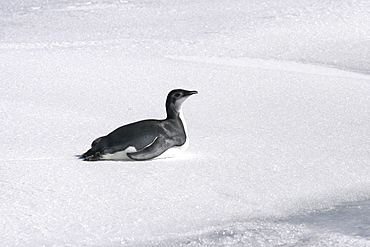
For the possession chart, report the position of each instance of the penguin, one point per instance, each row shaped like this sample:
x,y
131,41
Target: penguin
x,y
146,139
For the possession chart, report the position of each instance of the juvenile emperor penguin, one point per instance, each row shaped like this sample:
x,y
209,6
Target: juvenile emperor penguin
x,y
146,139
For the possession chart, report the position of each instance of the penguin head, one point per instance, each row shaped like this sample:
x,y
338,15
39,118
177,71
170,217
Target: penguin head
x,y
175,98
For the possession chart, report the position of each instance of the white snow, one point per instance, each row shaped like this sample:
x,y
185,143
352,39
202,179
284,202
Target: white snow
x,y
279,151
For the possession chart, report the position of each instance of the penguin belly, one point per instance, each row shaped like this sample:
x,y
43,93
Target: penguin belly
x,y
169,153
120,155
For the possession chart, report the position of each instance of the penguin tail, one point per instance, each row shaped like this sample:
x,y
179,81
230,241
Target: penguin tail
x,y
85,155
93,153
90,155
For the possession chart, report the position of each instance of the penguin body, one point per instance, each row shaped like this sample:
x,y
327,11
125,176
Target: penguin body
x,y
146,139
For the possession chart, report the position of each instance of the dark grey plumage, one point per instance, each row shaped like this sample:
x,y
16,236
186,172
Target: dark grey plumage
x,y
149,138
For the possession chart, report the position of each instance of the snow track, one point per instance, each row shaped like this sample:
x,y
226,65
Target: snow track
x,y
274,65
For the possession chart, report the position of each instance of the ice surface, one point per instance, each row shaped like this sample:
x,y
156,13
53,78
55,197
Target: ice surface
x,y
279,132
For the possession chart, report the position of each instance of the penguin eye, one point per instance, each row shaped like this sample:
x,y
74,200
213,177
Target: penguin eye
x,y
177,95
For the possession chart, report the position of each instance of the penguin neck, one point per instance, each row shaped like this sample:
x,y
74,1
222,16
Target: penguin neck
x,y
172,112
174,108
176,114
181,116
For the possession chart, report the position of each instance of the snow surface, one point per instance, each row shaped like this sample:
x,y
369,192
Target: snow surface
x,y
279,132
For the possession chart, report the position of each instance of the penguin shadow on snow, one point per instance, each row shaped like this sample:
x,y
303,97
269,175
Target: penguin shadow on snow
x,y
146,139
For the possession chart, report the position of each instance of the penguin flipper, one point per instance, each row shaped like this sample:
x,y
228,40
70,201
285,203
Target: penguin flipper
x,y
156,148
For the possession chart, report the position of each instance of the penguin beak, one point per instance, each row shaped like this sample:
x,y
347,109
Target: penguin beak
x,y
188,93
